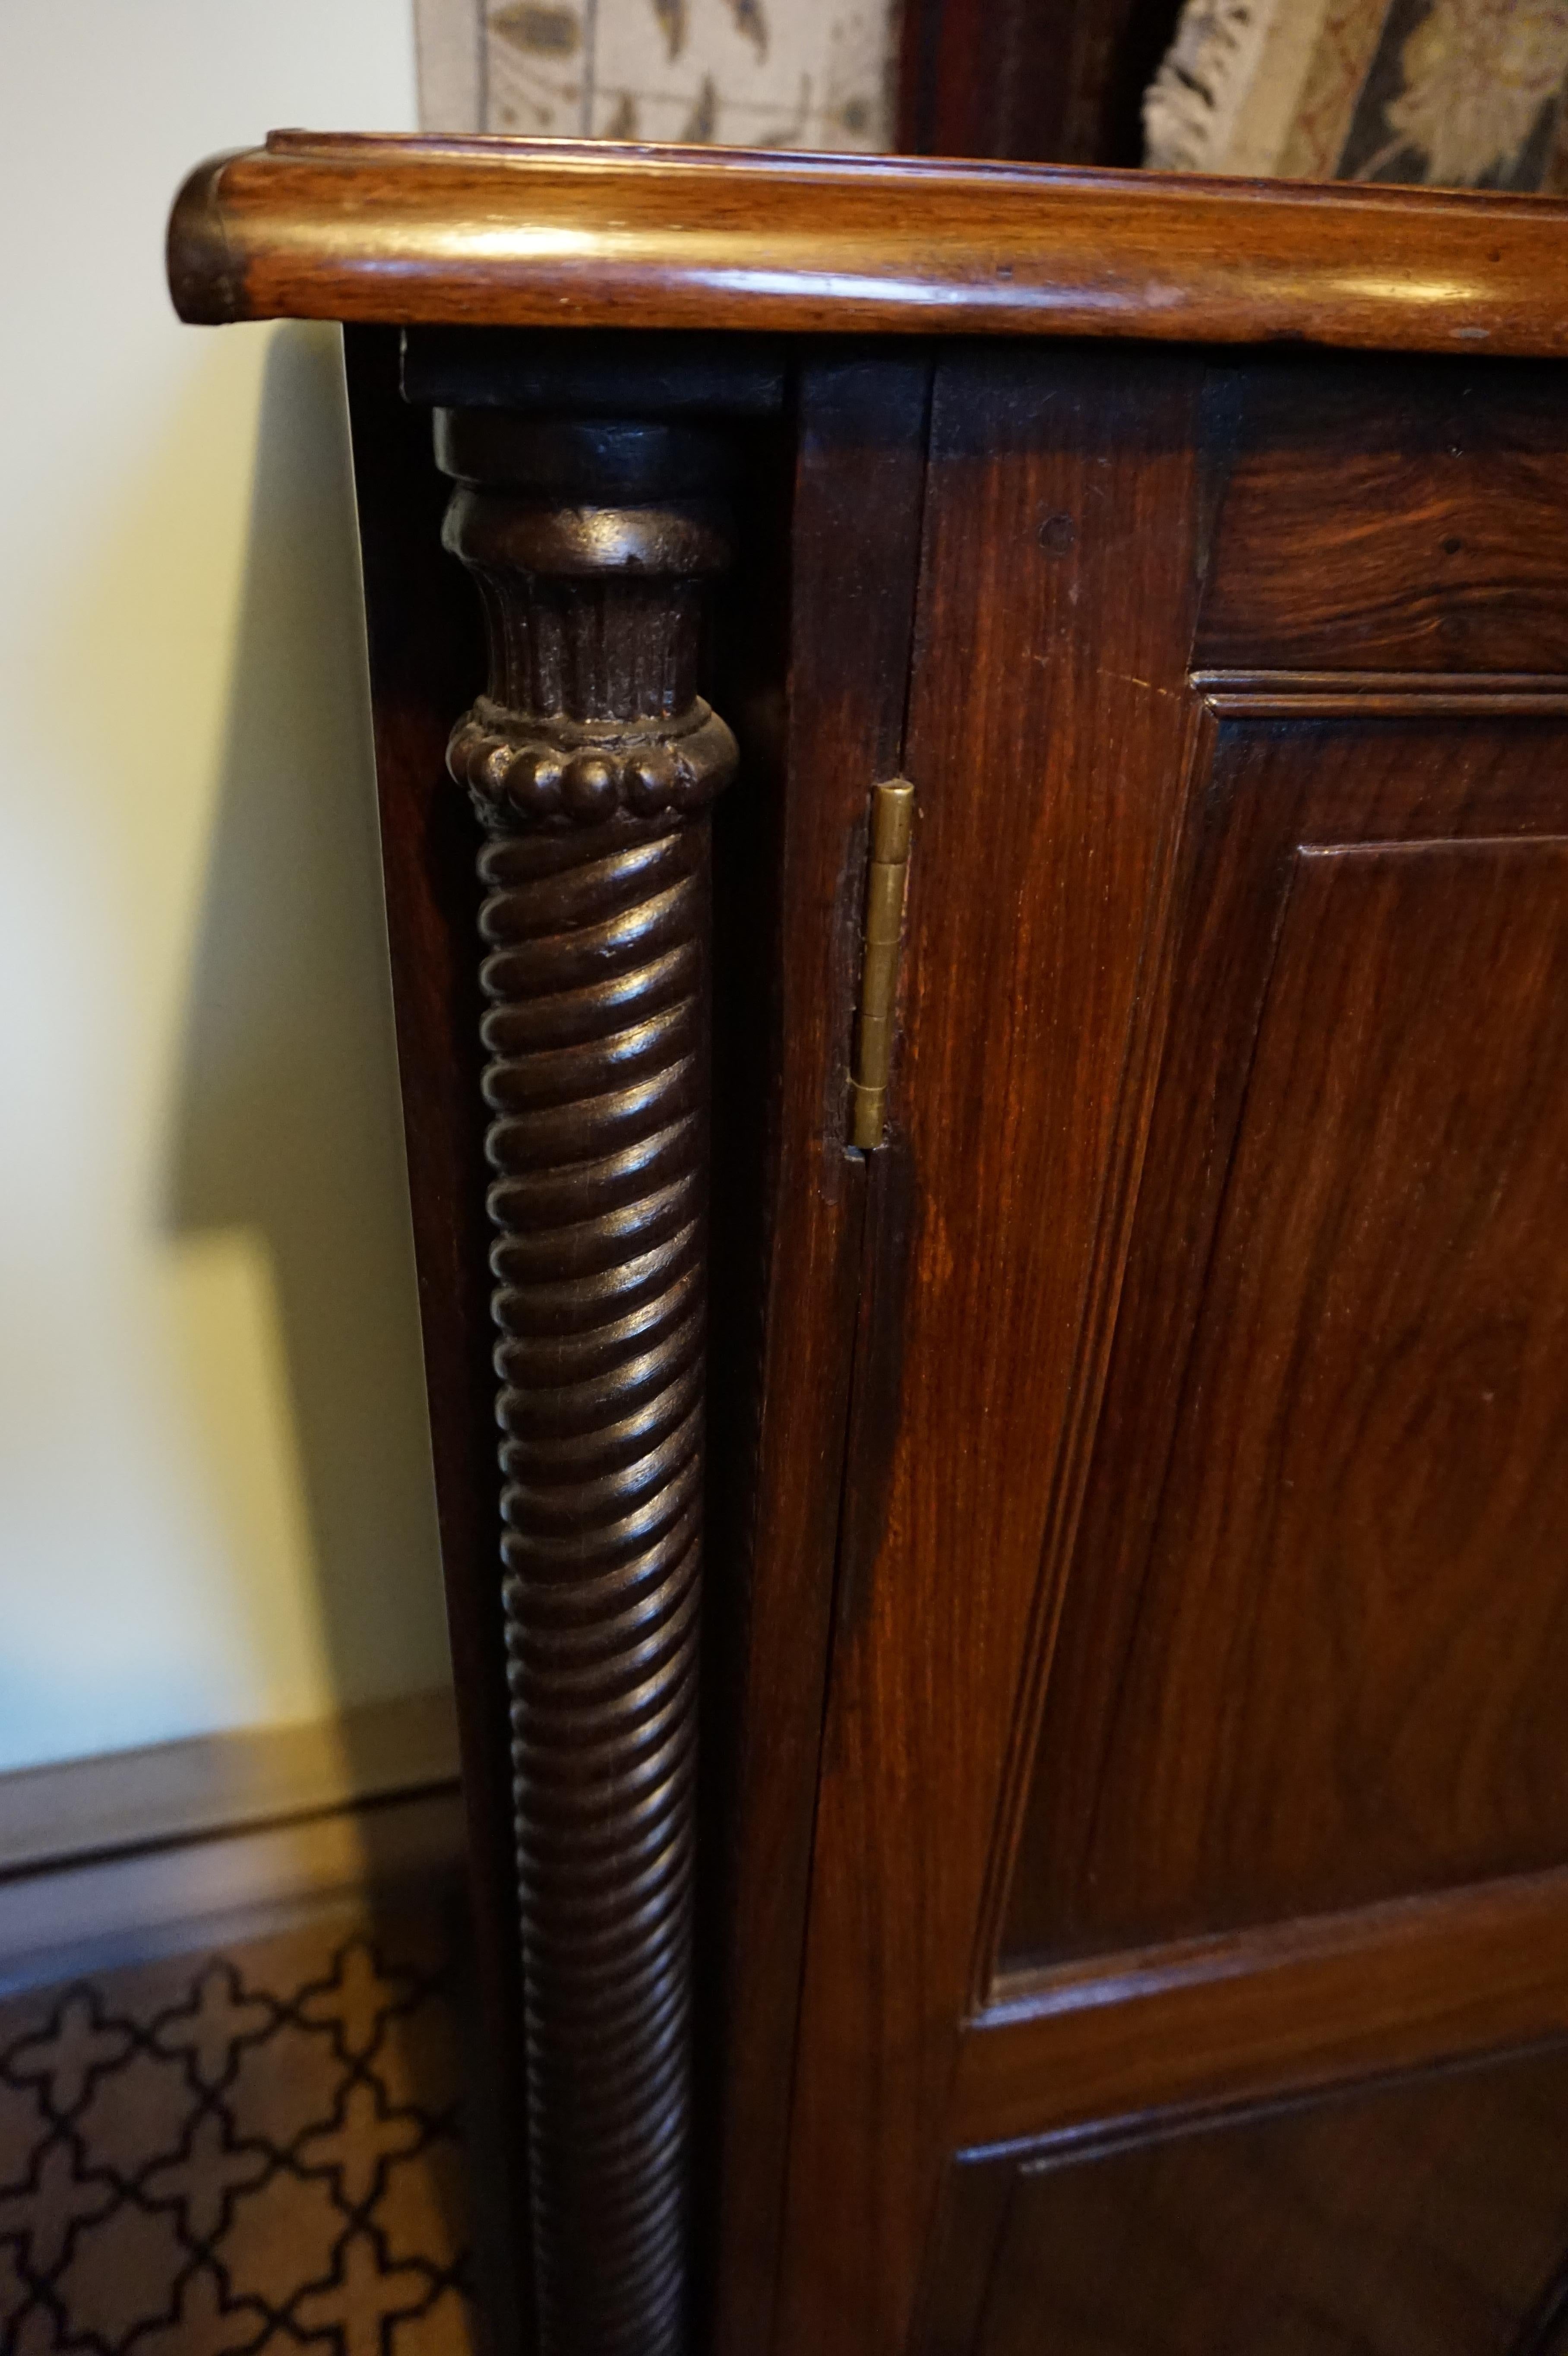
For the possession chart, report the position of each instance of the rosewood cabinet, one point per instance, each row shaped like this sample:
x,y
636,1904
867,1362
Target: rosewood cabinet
x,y
974,799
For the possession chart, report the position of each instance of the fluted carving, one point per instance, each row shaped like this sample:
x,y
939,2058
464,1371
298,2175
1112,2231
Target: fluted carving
x,y
592,760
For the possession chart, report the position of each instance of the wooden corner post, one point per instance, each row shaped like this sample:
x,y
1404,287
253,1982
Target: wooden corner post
x,y
593,763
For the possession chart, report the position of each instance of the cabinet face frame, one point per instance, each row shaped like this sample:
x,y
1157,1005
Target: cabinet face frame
x,y
1059,581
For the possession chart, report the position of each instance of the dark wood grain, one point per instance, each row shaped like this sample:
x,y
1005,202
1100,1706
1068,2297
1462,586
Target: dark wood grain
x,y
1445,546
578,372
513,233
749,664
1403,2219
1545,2329
855,543
1267,2012
972,2213
593,762
1135,1697
1338,1311
427,659
1253,694
1054,618
1060,82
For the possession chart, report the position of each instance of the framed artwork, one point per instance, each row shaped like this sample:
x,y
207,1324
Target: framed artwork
x,y
1460,94
753,73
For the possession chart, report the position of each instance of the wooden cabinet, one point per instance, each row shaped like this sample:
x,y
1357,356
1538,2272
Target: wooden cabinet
x,y
1106,1888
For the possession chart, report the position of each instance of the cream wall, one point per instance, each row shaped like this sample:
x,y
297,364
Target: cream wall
x,y
214,1486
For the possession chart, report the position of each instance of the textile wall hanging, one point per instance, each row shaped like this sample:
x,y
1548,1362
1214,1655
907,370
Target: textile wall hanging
x,y
1456,92
753,73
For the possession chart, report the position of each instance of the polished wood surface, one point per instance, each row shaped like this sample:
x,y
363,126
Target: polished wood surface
x,y
427,662
1407,2219
1057,597
592,761
1353,1254
542,233
1444,547
855,548
1266,2011
1130,1820
1341,1357
1058,81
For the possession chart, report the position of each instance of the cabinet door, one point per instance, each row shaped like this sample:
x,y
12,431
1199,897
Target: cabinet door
x,y
1313,1649
1194,1791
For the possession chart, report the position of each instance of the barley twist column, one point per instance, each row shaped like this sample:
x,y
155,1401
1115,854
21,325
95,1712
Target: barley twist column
x,y
593,763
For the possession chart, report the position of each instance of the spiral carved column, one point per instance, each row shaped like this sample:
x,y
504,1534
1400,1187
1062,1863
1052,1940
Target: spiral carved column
x,y
593,762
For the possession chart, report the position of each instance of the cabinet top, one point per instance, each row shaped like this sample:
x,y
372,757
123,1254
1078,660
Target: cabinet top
x,y
525,233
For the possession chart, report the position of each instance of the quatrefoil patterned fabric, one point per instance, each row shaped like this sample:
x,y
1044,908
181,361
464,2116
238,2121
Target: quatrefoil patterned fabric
x,y
252,2149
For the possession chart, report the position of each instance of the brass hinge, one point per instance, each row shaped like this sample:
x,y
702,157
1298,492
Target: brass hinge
x,y
893,812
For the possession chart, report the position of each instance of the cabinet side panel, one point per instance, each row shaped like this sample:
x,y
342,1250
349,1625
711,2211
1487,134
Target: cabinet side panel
x,y
427,660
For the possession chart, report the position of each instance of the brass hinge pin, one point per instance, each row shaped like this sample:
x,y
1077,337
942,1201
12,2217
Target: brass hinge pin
x,y
893,813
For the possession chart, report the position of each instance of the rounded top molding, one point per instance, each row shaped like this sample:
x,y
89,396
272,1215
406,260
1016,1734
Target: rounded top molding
x,y
590,234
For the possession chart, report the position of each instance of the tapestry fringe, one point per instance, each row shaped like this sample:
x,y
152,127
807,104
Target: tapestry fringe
x,y
1191,105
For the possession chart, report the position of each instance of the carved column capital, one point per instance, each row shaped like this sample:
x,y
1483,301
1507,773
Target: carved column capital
x,y
525,771
592,761
590,544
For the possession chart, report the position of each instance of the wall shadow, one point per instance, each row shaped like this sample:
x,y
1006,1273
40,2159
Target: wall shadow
x,y
286,1120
